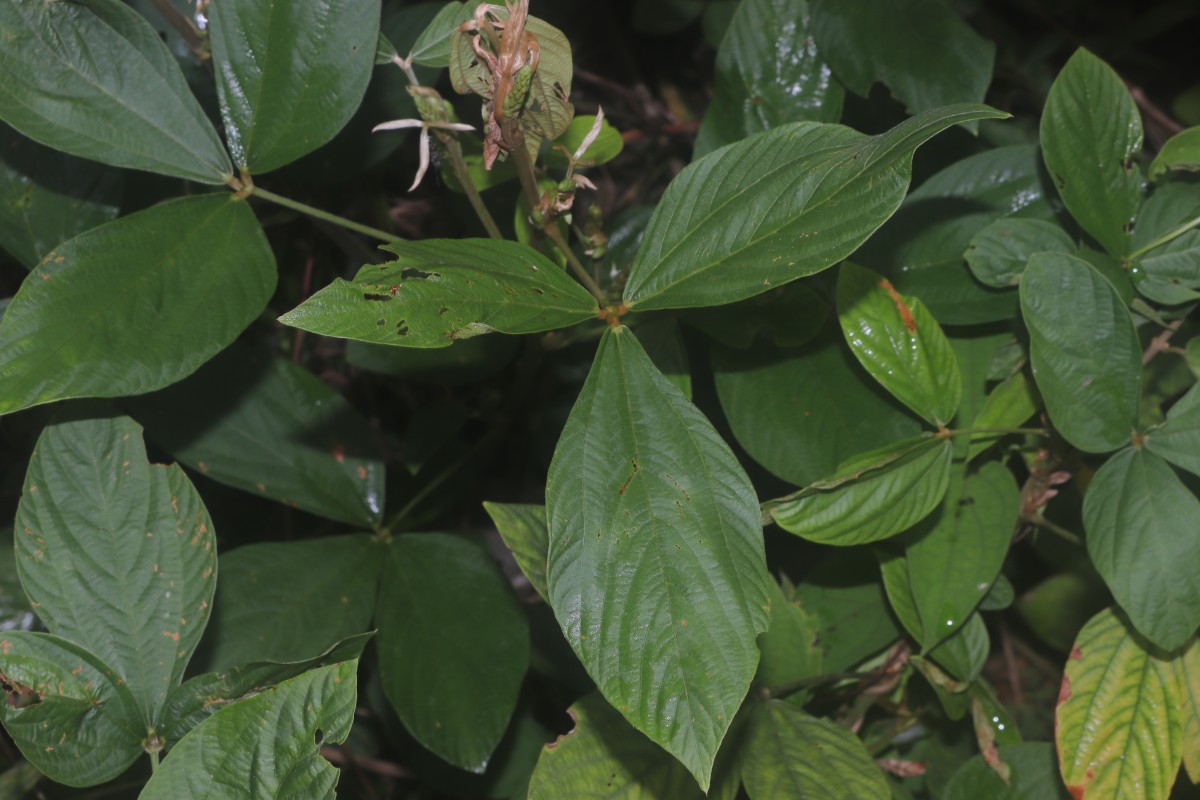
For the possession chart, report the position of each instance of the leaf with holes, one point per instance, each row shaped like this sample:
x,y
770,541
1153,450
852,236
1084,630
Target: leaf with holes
x,y
899,342
636,525
70,714
97,520
189,275
1091,132
289,75
267,745
775,207
439,291
95,80
1118,724
1142,537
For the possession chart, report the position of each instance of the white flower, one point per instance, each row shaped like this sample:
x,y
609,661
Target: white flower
x,y
399,124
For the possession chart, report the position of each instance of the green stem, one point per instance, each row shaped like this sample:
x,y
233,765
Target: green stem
x,y
1058,530
153,761
459,165
1166,237
555,235
970,431
791,688
304,208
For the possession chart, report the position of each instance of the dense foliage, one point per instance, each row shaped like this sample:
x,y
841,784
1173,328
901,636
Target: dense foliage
x,y
763,398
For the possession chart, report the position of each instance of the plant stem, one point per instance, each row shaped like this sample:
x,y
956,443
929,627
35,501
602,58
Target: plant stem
x,y
459,165
304,208
153,761
795,686
406,65
1058,530
1161,342
555,235
1166,237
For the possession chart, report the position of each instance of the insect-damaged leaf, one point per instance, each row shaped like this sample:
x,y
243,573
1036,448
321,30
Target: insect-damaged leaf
x,y
1118,724
70,714
272,428
136,304
656,568
1083,349
775,207
96,520
93,79
440,597
441,290
899,342
267,745
289,75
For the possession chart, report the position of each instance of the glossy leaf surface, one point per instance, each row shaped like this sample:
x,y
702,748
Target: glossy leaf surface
x,y
603,758
266,745
289,75
775,207
1142,537
656,569
793,754
801,412
955,555
768,73
189,275
272,428
97,520
94,79
1091,131
1083,349
287,601
899,342
998,253
890,495
441,596
523,529
85,726
442,290
47,196
1118,722
921,49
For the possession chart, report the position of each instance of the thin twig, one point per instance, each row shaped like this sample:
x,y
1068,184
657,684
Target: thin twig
x,y
1038,520
1161,342
378,766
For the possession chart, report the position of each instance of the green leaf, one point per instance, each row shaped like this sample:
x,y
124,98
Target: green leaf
x,y
523,529
270,427
432,47
955,555
1000,595
1091,132
441,597
792,754
921,49
899,342
663,342
1188,664
997,254
788,647
1034,776
801,412
93,79
1180,152
72,717
289,76
16,614
267,745
775,207
189,275
286,601
96,520
1084,351
891,495
1168,272
921,248
47,196
1118,724
791,315
200,697
1011,403
845,593
441,290
1058,607
602,757
645,502
1178,439
1142,537
768,73
607,145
